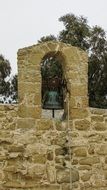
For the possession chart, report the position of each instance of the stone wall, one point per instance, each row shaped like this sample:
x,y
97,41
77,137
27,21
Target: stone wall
x,y
89,149
51,154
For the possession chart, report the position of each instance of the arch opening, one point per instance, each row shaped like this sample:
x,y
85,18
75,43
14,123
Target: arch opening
x,y
53,85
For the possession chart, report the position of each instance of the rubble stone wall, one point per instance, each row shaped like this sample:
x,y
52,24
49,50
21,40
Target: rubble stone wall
x,y
51,154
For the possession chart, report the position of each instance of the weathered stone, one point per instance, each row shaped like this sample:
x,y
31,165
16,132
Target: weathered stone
x,y
97,111
85,167
100,126
74,162
82,124
36,170
29,111
16,148
10,169
91,149
89,160
14,155
86,177
63,176
102,150
31,99
25,123
61,151
97,118
39,158
35,148
80,152
78,90
60,126
44,124
50,172
78,113
59,139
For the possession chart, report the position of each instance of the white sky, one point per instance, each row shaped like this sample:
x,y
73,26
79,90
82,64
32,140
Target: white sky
x,y
23,22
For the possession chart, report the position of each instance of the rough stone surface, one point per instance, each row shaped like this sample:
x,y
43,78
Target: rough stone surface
x,y
38,153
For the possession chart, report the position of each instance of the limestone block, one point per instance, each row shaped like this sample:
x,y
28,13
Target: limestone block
x,y
61,125
97,111
102,150
35,58
82,124
29,111
52,46
85,101
85,167
86,176
79,113
59,139
25,123
16,148
61,151
36,170
44,124
97,118
63,176
29,87
91,149
50,170
29,75
80,152
78,90
32,99
99,126
39,158
89,160
35,149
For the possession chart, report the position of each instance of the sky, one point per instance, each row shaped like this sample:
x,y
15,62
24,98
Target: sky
x,y
24,22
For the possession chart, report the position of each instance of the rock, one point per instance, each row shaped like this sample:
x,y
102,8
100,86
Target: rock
x,y
82,124
63,176
89,160
80,152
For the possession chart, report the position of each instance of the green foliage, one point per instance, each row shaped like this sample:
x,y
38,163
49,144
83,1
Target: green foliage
x,y
47,38
5,70
14,88
8,86
98,68
50,68
76,32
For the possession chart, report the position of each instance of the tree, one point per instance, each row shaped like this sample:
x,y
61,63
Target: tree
x,y
98,68
14,89
5,71
78,33
47,38
8,86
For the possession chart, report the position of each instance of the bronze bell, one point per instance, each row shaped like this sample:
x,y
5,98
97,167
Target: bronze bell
x,y
52,100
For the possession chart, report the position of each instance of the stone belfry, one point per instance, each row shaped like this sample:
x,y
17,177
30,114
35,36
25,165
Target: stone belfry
x,y
75,68
39,153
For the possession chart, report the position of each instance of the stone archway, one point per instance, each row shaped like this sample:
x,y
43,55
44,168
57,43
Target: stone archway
x,y
74,62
